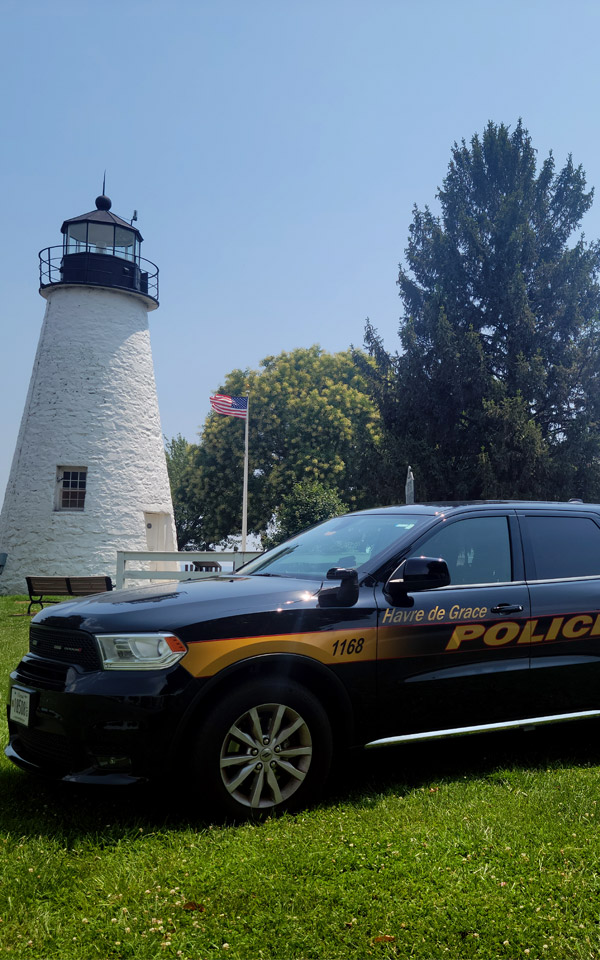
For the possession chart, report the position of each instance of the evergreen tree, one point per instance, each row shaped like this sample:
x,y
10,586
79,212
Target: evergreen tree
x,y
494,392
188,516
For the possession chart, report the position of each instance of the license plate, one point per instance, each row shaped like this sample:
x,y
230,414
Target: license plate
x,y
20,704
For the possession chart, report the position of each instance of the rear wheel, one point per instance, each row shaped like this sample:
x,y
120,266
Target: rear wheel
x,y
267,748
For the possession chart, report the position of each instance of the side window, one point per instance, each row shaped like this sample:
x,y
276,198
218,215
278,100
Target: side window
x,y
477,550
563,546
71,485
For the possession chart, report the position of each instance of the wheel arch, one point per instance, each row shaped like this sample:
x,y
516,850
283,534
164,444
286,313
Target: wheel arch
x,y
314,676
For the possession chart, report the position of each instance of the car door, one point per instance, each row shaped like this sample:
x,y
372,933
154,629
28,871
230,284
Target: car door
x,y
458,655
562,563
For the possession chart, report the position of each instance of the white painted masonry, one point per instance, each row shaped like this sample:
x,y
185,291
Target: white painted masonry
x,y
91,403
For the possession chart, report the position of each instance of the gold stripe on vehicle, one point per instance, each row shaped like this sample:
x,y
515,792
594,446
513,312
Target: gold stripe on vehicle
x,y
208,657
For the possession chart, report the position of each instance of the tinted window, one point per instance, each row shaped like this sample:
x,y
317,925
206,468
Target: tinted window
x,y
563,546
476,550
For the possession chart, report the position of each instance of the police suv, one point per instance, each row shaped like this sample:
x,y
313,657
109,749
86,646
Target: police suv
x,y
370,629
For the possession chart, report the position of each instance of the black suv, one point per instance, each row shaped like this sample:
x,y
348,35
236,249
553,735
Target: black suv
x,y
372,628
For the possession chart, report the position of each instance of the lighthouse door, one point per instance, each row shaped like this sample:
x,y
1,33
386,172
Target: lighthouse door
x,y
159,536
159,531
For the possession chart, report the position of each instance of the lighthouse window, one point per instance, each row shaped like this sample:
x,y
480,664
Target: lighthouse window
x,y
101,237
76,238
124,243
71,486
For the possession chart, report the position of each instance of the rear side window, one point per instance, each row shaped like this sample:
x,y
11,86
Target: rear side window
x,y
563,546
477,550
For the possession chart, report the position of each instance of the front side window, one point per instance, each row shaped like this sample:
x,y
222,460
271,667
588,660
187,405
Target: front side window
x,y
477,550
71,487
563,547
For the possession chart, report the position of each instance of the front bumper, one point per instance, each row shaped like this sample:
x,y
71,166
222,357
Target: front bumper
x,y
118,728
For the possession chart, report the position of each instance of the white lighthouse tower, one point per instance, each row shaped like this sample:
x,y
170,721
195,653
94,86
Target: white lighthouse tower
x,y
89,475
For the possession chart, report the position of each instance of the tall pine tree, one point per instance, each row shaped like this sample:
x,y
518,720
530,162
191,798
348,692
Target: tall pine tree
x,y
495,390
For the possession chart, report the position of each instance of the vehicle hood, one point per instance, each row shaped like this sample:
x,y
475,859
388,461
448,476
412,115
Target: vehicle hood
x,y
180,605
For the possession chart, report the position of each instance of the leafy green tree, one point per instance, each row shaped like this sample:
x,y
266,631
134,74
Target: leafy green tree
x,y
188,516
494,392
307,502
310,420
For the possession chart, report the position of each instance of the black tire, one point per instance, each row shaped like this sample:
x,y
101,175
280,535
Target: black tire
x,y
266,748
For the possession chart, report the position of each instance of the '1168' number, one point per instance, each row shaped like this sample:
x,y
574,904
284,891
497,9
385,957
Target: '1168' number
x,y
348,647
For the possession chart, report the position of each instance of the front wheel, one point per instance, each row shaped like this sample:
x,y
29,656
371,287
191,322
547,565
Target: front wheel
x,y
266,748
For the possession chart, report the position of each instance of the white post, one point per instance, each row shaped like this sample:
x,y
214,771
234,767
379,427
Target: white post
x,y
120,569
409,487
245,493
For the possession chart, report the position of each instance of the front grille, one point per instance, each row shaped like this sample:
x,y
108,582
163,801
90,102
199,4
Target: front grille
x,y
43,674
68,646
49,751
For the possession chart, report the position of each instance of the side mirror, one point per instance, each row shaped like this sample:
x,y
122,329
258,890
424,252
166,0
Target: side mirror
x,y
417,573
346,594
342,573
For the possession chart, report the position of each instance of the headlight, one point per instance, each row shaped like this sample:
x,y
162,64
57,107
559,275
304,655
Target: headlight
x,y
140,651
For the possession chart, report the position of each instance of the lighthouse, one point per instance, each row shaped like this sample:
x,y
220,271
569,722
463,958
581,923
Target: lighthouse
x,y
89,474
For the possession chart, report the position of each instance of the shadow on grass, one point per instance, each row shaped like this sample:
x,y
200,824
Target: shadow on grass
x,y
33,806
410,766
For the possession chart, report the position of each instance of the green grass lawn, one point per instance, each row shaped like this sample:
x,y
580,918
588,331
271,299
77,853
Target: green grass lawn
x,y
480,847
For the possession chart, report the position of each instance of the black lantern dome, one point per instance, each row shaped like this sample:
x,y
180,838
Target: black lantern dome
x,y
100,249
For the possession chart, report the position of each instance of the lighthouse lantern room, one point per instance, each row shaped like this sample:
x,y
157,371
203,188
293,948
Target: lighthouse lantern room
x,y
89,474
101,249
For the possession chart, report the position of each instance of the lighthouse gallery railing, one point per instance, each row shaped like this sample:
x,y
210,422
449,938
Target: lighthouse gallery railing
x,y
90,267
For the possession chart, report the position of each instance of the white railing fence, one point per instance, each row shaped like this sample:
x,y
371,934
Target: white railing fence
x,y
171,562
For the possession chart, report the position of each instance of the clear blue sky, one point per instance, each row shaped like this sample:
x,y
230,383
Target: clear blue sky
x,y
273,150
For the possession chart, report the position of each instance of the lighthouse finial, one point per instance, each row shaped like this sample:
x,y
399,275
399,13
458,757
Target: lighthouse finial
x,y
103,202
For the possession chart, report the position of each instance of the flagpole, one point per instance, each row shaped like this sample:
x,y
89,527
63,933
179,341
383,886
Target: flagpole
x,y
245,493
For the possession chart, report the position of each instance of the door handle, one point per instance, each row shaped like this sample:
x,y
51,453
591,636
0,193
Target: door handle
x,y
507,608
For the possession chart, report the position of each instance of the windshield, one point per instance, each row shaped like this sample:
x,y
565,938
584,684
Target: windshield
x,y
348,541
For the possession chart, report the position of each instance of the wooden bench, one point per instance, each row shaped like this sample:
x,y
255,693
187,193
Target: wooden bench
x,y
40,588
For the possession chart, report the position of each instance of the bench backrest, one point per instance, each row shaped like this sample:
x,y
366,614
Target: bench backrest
x,y
40,585
68,586
82,586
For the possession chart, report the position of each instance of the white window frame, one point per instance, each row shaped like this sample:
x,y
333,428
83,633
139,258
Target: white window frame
x,y
75,494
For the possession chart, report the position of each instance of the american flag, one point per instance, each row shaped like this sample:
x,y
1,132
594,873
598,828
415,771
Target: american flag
x,y
230,406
